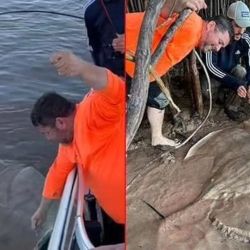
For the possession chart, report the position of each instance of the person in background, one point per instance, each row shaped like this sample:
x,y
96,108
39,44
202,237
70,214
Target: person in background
x,y
229,77
104,20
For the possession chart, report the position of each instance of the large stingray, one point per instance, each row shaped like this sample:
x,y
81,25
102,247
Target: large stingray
x,y
20,194
204,199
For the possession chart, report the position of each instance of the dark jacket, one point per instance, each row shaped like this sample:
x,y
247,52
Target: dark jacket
x,y
102,29
220,64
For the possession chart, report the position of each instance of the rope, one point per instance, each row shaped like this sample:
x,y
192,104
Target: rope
x,y
40,11
210,103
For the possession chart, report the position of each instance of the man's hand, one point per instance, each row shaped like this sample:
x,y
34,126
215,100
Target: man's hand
x,y
38,218
119,43
67,64
180,5
242,92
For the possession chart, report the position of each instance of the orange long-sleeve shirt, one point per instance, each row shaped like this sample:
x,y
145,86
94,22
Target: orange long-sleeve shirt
x,y
185,39
99,147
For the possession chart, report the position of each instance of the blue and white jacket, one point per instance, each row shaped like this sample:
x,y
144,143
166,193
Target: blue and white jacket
x,y
220,64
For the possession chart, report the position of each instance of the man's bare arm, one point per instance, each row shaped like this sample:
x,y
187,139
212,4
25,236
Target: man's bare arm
x,y
67,64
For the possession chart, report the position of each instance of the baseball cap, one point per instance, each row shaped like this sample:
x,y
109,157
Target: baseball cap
x,y
240,13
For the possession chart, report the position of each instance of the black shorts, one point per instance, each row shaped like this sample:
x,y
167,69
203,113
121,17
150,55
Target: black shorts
x,y
156,98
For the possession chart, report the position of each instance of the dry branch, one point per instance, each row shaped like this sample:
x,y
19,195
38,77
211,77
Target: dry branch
x,y
169,35
140,82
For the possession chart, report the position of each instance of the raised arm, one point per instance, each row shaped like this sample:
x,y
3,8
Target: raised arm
x,y
68,64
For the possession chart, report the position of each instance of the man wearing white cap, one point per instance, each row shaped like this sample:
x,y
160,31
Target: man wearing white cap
x,y
224,66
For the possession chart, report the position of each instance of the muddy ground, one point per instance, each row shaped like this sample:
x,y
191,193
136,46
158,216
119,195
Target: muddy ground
x,y
201,202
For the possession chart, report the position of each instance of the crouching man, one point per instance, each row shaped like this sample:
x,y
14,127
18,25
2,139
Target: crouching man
x,y
230,79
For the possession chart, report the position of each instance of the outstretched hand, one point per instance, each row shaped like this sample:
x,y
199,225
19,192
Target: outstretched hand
x,y
67,64
38,219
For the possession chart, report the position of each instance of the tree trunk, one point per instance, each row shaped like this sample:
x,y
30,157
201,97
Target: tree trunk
x,y
169,35
140,82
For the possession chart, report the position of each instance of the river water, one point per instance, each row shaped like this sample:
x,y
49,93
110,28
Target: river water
x,y
26,43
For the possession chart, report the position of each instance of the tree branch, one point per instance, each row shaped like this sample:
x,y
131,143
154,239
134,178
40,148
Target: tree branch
x,y
140,82
169,35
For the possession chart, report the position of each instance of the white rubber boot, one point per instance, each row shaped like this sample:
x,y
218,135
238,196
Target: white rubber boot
x,y
155,117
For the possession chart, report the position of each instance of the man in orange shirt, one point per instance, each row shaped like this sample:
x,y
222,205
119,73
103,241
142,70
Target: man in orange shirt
x,y
194,33
90,134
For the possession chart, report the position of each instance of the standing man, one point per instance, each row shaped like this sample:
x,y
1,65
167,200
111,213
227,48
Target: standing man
x,y
90,134
194,33
104,20
225,66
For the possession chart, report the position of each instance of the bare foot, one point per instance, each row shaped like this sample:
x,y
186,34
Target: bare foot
x,y
163,141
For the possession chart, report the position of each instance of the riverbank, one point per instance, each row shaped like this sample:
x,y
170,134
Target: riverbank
x,y
168,202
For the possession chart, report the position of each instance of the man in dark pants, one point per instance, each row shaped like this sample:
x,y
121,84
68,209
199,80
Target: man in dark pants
x,y
230,79
104,20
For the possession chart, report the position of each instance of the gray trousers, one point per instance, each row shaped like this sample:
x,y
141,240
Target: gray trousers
x,y
238,71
